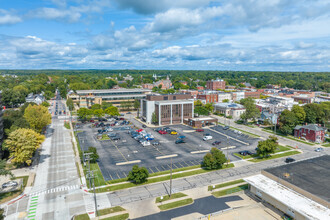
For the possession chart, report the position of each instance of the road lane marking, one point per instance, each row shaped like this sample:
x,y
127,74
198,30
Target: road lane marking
x,y
128,162
166,156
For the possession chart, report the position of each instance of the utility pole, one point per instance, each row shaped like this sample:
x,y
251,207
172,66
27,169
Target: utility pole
x,y
88,158
91,176
227,149
171,180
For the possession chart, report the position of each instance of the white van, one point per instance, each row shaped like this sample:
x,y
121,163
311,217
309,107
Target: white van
x,y
205,138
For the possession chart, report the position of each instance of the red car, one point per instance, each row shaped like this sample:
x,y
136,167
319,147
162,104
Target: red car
x,y
162,132
199,130
92,121
139,130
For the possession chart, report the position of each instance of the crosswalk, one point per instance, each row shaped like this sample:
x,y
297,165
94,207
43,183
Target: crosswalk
x,y
54,190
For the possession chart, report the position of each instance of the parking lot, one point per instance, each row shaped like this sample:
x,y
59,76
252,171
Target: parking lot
x,y
118,156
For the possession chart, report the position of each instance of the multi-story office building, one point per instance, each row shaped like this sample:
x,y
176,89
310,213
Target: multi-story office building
x,y
216,84
168,109
87,98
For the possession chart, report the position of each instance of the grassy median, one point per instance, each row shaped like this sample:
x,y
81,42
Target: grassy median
x,y
176,204
210,188
275,156
230,190
167,197
104,212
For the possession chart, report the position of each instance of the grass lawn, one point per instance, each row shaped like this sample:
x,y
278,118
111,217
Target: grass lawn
x,y
99,180
103,212
229,191
118,217
159,179
105,137
167,197
175,204
245,157
275,156
326,145
67,125
210,188
281,148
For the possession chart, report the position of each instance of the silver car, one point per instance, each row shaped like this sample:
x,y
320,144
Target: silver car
x,y
9,184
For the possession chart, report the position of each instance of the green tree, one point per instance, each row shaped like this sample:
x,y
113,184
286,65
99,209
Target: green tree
x,y
98,113
3,170
45,104
314,113
69,103
79,86
112,111
38,117
225,100
299,113
106,105
214,160
201,110
22,143
96,106
136,104
251,110
268,146
287,121
94,156
138,174
154,118
126,105
209,107
85,113
111,83
198,103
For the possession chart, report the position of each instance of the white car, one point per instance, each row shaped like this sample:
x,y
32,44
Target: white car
x,y
205,138
109,129
9,184
145,143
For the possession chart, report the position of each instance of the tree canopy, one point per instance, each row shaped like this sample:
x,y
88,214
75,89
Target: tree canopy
x,y
214,160
268,146
251,110
37,116
138,174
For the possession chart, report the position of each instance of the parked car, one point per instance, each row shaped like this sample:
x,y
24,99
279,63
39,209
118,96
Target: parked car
x,y
110,135
289,160
158,129
319,149
181,137
149,138
245,153
206,138
91,121
144,126
174,132
199,130
145,143
216,143
128,113
115,138
155,143
139,130
162,132
179,141
226,128
9,184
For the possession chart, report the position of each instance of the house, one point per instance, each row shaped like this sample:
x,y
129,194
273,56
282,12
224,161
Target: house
x,y
265,115
230,109
311,132
36,98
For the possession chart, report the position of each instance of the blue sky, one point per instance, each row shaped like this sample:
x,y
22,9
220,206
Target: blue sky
x,y
275,35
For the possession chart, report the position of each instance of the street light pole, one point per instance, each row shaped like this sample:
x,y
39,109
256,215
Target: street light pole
x,y
171,180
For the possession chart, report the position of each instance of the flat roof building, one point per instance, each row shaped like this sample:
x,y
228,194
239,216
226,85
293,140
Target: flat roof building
x,y
87,98
300,189
168,109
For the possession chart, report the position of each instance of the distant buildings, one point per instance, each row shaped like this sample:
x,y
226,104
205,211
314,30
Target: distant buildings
x,y
230,109
168,109
311,132
87,98
35,98
164,83
208,97
215,84
1,126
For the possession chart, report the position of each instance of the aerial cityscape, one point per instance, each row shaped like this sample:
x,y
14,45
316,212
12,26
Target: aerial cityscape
x,y
141,109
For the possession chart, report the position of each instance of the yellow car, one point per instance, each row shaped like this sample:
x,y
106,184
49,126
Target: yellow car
x,y
174,132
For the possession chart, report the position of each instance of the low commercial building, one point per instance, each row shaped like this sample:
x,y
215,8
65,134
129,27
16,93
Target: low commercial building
x,y
208,97
300,189
229,109
255,95
200,122
224,96
87,98
303,99
216,84
167,109
310,132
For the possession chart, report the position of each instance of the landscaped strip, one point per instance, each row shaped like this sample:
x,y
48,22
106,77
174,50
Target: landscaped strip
x,y
210,188
104,212
105,137
99,180
326,145
230,190
176,204
274,156
118,217
159,179
167,197
280,148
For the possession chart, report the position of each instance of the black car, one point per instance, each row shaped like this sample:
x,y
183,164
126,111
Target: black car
x,y
158,129
245,153
216,143
112,135
179,141
115,138
289,160
226,128
144,126
155,143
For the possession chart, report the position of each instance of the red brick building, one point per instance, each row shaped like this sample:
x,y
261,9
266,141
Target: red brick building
x,y
303,99
216,84
310,132
209,98
255,95
200,88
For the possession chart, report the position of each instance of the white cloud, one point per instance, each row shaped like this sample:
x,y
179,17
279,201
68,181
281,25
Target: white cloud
x,y
6,18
